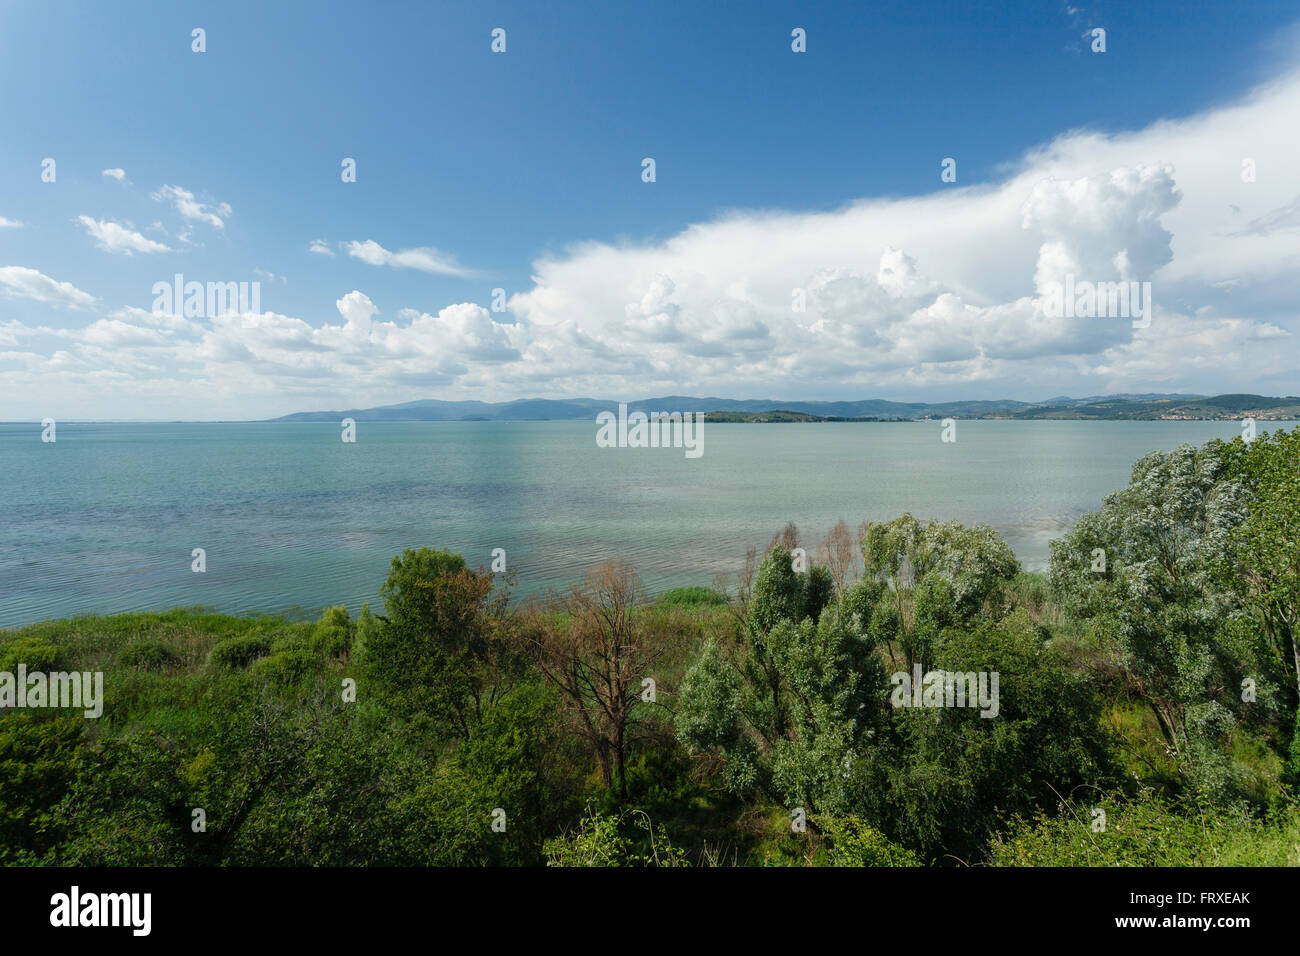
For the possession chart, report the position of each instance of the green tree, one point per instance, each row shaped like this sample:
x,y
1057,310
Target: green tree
x,y
1142,573
786,707
921,577
1264,560
939,780
440,653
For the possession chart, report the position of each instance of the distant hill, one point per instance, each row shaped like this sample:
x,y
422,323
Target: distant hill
x,y
1128,407
1195,408
783,415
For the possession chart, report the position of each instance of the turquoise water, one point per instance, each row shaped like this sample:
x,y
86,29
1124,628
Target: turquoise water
x,y
105,519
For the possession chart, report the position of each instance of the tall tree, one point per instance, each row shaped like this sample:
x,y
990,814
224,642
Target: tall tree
x,y
787,706
925,576
597,652
440,649
1142,572
1265,559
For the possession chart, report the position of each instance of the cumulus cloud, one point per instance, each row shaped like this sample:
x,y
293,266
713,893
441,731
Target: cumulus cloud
x,y
425,259
250,357
357,309
189,207
946,291
31,284
9,223
465,330
321,248
114,237
118,174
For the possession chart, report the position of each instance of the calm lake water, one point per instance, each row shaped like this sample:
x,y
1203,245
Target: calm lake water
x,y
105,519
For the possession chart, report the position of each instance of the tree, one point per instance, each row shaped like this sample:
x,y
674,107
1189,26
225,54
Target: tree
x,y
939,780
440,650
1264,560
786,707
922,577
597,652
839,554
1142,572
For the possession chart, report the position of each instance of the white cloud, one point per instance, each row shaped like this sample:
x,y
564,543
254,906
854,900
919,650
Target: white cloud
x,y
940,295
425,259
9,223
114,237
31,284
465,330
369,252
118,174
185,203
321,248
358,310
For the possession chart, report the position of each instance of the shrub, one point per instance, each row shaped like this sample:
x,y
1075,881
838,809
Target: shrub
x,y
34,654
1146,831
336,616
240,651
37,754
854,843
603,839
148,656
285,667
330,640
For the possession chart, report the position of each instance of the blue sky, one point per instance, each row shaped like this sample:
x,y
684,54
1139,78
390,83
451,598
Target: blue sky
x,y
522,171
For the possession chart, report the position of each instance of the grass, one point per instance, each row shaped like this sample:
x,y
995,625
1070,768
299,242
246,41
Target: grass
x,y
1149,832
691,597
158,667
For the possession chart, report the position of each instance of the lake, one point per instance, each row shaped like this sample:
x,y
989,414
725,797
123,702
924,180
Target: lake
x,y
290,517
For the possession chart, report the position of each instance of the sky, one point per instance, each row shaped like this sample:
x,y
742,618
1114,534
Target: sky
x,y
500,239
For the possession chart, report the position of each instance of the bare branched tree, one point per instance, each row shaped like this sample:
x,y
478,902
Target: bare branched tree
x,y
787,537
839,553
738,602
596,653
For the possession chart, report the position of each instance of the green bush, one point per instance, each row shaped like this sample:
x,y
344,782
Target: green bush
x,y
240,651
624,839
34,654
330,640
285,667
336,616
854,843
148,656
37,755
1147,831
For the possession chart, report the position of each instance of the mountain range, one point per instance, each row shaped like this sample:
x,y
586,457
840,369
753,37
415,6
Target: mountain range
x,y
1122,406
